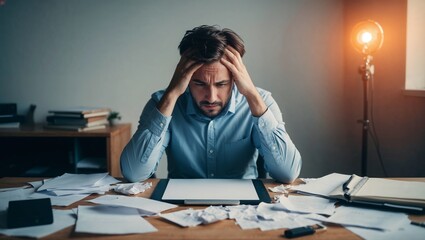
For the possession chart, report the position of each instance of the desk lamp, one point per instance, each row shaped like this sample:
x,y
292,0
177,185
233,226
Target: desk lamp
x,y
367,38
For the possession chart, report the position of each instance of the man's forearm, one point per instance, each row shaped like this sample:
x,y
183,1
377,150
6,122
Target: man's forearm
x,y
167,103
146,147
256,104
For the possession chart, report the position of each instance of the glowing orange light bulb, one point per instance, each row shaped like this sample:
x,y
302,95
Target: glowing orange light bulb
x,y
366,37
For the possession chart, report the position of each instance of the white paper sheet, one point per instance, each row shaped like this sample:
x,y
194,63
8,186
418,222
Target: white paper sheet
x,y
210,189
323,186
307,204
12,189
144,204
368,218
183,218
266,217
78,181
60,200
61,219
87,190
407,231
111,220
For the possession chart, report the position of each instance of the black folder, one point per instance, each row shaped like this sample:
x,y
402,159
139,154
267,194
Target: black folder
x,y
263,195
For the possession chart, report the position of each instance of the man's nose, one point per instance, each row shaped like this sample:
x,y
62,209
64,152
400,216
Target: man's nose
x,y
211,94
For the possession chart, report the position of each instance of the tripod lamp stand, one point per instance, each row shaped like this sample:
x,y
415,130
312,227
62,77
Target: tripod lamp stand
x,y
367,38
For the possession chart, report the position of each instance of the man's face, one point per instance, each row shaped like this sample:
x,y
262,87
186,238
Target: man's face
x,y
211,87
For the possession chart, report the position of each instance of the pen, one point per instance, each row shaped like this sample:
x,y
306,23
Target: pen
x,y
420,224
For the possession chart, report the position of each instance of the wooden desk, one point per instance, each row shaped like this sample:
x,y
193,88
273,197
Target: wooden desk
x,y
225,229
28,147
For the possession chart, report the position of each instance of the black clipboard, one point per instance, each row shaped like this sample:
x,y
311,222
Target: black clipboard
x,y
263,196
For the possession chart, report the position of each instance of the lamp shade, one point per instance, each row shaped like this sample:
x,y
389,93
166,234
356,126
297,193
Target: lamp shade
x,y
367,37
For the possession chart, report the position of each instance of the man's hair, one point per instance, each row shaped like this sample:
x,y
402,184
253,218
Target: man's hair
x,y
207,43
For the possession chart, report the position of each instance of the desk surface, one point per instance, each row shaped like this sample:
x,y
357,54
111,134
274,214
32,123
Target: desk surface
x,y
225,229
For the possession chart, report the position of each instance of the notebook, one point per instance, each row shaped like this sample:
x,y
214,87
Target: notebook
x,y
384,192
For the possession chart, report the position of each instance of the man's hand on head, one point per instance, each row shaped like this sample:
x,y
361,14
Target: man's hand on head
x,y
233,61
183,74
178,84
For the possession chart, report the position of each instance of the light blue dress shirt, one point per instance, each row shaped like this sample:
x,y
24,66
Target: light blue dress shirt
x,y
226,146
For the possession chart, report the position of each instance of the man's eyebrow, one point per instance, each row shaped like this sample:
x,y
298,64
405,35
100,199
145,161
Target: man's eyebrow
x,y
218,82
222,81
198,81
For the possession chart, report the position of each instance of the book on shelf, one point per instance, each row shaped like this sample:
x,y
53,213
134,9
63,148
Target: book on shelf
x,y
9,118
9,115
73,127
8,109
82,122
81,112
10,125
92,163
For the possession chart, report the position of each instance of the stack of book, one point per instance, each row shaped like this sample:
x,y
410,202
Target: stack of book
x,y
9,115
78,119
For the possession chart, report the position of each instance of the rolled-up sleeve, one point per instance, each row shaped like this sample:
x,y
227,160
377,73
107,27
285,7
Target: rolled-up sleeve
x,y
141,155
282,159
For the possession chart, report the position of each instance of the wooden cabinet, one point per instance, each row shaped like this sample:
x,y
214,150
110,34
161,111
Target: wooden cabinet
x,y
34,151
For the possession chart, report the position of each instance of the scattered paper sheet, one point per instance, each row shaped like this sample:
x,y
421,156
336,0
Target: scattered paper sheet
x,y
368,218
12,189
265,217
406,231
37,184
61,219
184,218
307,204
192,218
60,200
111,220
145,204
87,190
70,181
132,188
18,194
324,185
280,189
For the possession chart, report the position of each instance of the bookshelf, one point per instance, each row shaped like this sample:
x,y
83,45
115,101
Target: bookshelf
x,y
35,151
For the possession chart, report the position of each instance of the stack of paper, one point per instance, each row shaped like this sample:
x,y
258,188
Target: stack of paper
x,y
69,188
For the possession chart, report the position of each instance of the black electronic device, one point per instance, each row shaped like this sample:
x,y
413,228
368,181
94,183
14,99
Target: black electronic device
x,y
32,212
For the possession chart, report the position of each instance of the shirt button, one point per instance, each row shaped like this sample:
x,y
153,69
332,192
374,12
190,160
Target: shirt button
x,y
211,151
212,174
261,124
161,125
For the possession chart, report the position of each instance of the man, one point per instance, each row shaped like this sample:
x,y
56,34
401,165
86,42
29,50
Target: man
x,y
211,120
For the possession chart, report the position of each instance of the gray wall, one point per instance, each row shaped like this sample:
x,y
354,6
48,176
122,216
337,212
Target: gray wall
x,y
112,53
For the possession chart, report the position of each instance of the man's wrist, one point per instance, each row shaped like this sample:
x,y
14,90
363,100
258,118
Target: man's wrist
x,y
256,104
167,103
